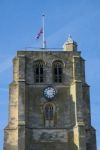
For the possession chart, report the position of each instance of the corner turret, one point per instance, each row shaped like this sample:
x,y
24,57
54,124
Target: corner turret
x,y
70,44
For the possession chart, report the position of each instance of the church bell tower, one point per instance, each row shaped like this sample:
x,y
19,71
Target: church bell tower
x,y
49,101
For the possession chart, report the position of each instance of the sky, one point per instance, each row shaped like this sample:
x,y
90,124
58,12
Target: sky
x,y
20,21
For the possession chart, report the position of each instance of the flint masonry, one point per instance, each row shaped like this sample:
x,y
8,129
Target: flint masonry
x,y
49,102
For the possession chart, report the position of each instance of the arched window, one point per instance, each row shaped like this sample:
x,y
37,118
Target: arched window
x,y
39,71
57,71
49,112
49,115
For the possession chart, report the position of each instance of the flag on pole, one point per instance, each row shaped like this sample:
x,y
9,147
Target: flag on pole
x,y
40,33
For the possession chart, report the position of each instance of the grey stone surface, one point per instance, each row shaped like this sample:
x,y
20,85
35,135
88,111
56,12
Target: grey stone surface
x,y
71,127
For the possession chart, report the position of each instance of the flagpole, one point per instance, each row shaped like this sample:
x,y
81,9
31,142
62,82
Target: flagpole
x,y
43,31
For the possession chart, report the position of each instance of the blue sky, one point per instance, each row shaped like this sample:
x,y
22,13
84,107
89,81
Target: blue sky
x,y
20,21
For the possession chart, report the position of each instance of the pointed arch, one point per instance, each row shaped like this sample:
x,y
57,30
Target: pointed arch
x,y
49,114
39,71
57,71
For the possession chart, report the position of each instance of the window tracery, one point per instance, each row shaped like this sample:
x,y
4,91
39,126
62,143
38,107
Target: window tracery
x,y
39,71
57,71
49,115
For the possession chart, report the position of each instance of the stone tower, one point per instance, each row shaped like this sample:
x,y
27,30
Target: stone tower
x,y
49,104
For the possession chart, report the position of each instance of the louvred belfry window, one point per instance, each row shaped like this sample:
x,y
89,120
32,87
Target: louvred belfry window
x,y
57,71
39,71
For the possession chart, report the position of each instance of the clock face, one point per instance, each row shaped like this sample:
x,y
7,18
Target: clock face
x,y
49,92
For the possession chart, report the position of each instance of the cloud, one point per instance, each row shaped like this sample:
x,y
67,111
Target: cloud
x,y
74,25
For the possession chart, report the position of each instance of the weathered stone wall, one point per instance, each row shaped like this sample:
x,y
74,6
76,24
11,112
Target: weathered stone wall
x,y
63,105
49,58
11,139
26,128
